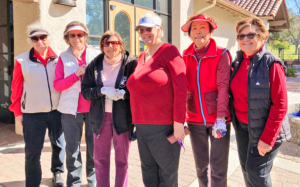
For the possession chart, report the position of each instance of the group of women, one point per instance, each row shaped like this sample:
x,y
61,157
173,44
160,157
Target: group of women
x,y
113,92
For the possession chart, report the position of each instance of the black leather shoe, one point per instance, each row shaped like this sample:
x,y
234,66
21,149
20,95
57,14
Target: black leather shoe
x,y
58,180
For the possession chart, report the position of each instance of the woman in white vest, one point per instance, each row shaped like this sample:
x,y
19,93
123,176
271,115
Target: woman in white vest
x,y
75,109
34,103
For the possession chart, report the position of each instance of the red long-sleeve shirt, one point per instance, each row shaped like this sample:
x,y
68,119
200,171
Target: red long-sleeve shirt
x,y
17,83
158,88
278,96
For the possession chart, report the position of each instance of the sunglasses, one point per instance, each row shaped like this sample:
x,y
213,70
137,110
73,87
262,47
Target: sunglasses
x,y
35,39
113,43
148,29
250,36
74,35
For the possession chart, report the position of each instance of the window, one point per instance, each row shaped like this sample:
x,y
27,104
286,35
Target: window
x,y
145,3
162,6
122,27
95,21
128,1
165,27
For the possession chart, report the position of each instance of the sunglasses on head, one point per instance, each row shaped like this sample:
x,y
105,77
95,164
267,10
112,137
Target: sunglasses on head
x,y
113,43
148,29
35,39
250,36
78,35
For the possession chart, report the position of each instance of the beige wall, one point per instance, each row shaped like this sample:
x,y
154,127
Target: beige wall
x,y
180,12
54,17
225,34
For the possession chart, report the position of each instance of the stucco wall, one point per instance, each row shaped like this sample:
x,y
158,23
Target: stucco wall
x,y
180,12
225,34
54,17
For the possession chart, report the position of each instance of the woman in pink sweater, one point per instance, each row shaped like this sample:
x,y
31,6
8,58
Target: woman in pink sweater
x,y
75,109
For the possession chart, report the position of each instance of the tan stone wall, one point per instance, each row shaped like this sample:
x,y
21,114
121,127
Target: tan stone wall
x,y
54,17
180,12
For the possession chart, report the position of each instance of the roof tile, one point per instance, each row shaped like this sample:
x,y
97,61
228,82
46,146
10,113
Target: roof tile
x,y
259,7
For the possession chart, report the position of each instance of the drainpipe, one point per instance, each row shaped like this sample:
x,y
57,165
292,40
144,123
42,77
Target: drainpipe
x,y
208,7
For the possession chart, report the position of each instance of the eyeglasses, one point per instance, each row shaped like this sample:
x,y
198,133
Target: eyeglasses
x,y
148,29
250,36
35,39
74,35
113,43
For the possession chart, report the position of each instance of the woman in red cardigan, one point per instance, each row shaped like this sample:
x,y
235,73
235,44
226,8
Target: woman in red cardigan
x,y
207,71
157,97
258,103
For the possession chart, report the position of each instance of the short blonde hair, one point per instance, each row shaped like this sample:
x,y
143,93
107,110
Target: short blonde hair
x,y
76,23
261,28
106,36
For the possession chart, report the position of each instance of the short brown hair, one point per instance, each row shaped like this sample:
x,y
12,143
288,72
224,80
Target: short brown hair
x,y
106,36
191,17
262,29
76,23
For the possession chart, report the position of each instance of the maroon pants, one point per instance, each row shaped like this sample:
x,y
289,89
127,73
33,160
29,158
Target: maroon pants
x,y
102,149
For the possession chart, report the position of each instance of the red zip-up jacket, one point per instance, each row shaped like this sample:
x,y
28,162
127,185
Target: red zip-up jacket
x,y
208,83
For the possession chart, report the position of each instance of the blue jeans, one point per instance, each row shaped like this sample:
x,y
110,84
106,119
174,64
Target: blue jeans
x,y
34,130
72,126
256,169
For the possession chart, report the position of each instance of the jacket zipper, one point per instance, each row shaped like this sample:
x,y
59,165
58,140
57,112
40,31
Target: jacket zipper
x,y
49,87
112,105
248,96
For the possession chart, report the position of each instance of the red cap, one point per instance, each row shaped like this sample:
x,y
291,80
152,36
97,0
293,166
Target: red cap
x,y
186,26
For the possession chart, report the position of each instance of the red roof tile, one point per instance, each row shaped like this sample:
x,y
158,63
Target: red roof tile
x,y
259,7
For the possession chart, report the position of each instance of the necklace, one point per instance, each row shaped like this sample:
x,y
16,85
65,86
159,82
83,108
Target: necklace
x,y
247,66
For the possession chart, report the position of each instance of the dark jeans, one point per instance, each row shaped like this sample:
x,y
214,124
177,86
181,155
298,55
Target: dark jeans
x,y
218,157
34,130
256,169
72,126
159,158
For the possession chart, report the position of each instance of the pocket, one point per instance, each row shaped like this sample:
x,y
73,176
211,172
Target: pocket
x,y
190,101
24,101
211,102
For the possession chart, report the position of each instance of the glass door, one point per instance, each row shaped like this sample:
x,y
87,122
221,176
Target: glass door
x,y
123,19
6,59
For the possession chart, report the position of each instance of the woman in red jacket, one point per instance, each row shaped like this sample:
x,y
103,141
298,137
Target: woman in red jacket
x,y
208,73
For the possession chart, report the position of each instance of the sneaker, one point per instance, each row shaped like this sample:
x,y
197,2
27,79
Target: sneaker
x,y
93,184
58,181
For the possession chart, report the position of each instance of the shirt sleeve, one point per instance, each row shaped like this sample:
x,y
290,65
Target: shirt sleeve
x,y
177,71
17,90
223,76
60,83
279,105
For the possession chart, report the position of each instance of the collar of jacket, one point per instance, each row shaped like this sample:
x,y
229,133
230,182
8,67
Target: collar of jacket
x,y
211,52
34,59
256,58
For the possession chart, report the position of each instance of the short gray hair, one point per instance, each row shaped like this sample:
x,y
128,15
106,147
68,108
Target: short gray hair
x,y
36,25
155,16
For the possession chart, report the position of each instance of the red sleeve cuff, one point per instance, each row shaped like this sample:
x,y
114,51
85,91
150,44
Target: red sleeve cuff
x,y
75,77
17,113
269,135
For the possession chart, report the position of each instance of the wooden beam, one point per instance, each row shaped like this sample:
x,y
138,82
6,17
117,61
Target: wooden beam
x,y
277,23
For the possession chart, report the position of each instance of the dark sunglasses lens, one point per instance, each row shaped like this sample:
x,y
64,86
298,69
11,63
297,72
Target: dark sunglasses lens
x,y
72,35
241,36
251,35
79,35
149,29
43,37
34,39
